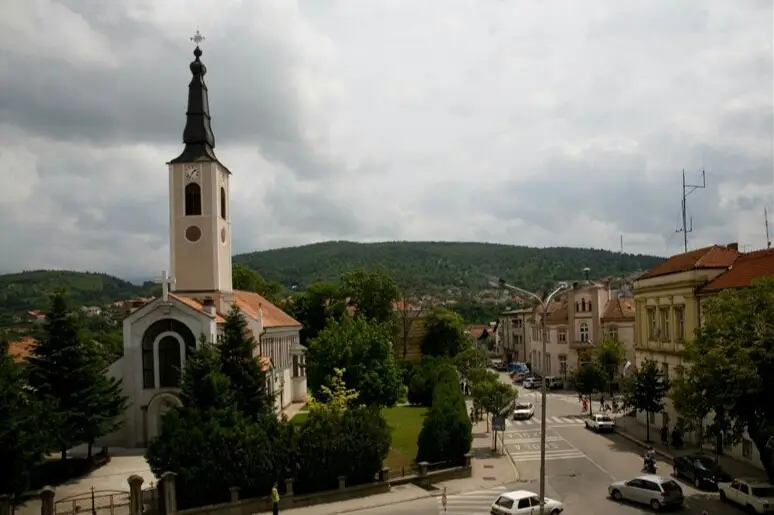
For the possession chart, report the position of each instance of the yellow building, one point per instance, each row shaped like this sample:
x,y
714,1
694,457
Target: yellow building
x,y
667,309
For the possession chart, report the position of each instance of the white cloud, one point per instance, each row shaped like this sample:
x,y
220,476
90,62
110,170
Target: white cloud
x,y
519,122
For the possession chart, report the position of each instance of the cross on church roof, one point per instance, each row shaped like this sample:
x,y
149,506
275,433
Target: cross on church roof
x,y
166,282
197,38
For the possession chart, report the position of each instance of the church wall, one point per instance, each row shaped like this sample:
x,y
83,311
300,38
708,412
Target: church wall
x,y
131,371
276,343
223,231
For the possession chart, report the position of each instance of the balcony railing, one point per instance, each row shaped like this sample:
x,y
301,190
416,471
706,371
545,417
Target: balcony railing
x,y
578,344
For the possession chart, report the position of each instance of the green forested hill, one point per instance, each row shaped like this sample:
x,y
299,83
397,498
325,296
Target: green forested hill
x,y
30,290
431,266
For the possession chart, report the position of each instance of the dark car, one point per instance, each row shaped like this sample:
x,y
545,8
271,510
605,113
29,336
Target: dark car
x,y
700,469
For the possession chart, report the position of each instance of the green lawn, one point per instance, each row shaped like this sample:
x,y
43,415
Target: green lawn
x,y
405,422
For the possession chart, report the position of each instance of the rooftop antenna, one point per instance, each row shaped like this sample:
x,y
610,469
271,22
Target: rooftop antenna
x,y
687,190
766,221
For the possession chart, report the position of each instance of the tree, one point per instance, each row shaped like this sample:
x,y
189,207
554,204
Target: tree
x,y
423,378
361,347
609,354
239,365
471,359
729,371
371,292
444,334
408,310
69,375
314,307
337,397
246,279
446,433
209,443
493,397
646,391
587,379
23,428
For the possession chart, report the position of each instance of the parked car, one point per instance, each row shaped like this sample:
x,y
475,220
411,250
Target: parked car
x,y
701,470
518,377
524,502
554,382
600,423
532,382
523,411
754,495
656,491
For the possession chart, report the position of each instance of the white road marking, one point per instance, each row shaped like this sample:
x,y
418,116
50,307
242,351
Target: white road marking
x,y
470,503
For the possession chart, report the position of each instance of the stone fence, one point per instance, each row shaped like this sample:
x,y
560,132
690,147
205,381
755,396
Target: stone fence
x,y
162,500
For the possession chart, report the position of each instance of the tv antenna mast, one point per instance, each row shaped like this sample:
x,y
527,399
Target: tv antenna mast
x,y
687,190
766,221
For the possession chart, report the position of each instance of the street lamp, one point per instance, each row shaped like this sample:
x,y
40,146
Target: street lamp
x,y
561,288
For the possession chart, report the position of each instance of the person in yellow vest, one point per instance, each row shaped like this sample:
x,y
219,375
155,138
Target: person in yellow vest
x,y
275,499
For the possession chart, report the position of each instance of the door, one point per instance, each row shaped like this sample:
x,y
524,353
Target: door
x,y
523,507
535,502
503,506
635,491
733,492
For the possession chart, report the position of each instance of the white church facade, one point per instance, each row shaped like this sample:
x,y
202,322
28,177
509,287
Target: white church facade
x,y
198,292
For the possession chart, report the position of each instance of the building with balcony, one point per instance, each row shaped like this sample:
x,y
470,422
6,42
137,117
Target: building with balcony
x,y
512,331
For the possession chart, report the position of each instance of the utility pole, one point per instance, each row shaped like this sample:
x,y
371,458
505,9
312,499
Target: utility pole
x,y
687,190
766,221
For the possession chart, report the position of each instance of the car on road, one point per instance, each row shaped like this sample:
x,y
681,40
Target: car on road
x,y
656,491
754,495
532,383
524,502
600,423
554,382
523,411
701,470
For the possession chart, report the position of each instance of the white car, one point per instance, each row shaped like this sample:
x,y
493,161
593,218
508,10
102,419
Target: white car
x,y
524,502
753,495
523,411
600,423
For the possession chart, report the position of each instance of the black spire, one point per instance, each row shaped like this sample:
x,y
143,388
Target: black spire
x,y
197,136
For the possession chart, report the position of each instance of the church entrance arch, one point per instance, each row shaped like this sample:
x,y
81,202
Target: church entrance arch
x,y
159,406
165,345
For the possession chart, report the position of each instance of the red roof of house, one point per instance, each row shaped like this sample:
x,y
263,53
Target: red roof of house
x,y
251,304
716,256
746,269
619,309
22,348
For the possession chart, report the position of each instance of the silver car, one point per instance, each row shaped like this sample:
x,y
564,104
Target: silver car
x,y
657,491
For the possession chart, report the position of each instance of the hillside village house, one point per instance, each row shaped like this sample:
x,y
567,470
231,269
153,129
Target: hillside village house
x,y
669,301
485,337
198,292
583,315
410,329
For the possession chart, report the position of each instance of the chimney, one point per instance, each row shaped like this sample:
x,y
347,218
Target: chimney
x,y
733,246
208,306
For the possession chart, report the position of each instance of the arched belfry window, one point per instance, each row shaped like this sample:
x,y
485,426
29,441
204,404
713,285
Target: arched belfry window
x,y
223,202
583,304
193,200
170,354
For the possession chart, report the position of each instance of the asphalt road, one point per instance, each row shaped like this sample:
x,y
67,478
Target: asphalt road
x,y
580,464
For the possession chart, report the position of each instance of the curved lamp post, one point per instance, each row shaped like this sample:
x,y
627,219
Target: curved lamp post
x,y
561,288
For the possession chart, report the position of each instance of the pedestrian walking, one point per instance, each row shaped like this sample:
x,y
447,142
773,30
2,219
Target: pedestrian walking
x,y
443,499
602,403
275,499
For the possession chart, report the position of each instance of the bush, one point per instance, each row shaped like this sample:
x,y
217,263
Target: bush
x,y
424,377
447,432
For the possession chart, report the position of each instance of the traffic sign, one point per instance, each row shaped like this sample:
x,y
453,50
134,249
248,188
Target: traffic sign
x,y
498,423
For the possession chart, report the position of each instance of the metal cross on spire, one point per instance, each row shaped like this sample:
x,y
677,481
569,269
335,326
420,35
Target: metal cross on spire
x,y
197,38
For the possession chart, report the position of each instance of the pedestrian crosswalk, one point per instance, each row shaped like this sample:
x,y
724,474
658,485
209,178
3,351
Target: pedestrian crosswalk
x,y
568,420
470,503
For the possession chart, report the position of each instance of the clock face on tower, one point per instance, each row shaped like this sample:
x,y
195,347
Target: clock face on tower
x,y
192,173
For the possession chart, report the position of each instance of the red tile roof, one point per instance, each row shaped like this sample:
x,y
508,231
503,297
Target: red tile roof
x,y
747,268
477,331
619,309
716,256
251,304
22,348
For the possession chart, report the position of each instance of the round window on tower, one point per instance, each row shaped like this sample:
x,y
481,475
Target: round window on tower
x,y
223,235
193,233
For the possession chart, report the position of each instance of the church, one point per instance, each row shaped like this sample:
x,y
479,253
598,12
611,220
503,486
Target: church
x,y
198,292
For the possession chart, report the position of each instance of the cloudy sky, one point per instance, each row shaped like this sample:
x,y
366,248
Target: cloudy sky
x,y
531,122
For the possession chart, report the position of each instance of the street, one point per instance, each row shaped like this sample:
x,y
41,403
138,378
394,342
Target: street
x,y
580,464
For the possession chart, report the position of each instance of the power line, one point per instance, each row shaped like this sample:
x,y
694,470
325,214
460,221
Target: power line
x,y
687,190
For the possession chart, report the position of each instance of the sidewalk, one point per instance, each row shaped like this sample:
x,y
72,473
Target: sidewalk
x,y
396,495
634,431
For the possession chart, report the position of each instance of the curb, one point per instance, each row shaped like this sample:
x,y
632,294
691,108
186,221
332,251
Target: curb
x,y
383,504
668,457
510,458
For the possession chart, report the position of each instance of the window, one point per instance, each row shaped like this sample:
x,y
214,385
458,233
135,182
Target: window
x,y
584,332
652,327
148,372
612,332
193,200
223,202
546,336
169,362
747,448
679,324
505,502
562,365
149,337
523,503
589,305
562,335
577,307
548,364
665,370
665,333
583,304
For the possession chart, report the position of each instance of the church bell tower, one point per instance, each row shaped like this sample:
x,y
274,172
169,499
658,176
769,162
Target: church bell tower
x,y
199,209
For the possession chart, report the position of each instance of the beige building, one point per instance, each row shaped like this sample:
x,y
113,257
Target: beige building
x,y
584,315
512,331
